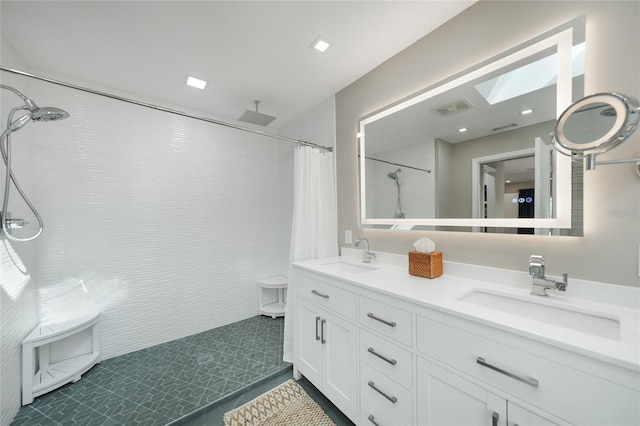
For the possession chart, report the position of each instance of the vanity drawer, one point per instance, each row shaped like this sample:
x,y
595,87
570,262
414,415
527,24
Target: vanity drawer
x,y
560,390
386,320
387,357
338,300
373,414
385,393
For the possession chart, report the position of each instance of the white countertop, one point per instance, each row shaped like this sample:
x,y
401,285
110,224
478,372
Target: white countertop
x,y
391,277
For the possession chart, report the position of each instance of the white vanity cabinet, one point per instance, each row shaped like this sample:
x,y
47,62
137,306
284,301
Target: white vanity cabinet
x,y
563,387
447,398
387,355
326,349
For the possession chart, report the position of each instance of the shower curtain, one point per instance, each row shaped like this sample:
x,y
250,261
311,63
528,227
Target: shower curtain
x,y
314,231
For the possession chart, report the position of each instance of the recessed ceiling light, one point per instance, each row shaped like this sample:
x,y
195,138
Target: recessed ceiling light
x,y
320,44
508,181
462,129
526,111
195,82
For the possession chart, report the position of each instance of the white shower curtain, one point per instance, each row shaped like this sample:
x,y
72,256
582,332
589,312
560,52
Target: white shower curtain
x,y
315,227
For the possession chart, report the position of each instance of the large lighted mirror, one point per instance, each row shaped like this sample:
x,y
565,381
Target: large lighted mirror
x,y
474,153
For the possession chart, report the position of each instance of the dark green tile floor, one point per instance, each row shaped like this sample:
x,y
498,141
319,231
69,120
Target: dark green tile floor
x,y
164,383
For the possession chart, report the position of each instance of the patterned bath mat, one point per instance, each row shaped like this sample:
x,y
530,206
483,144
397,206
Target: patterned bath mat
x,y
285,405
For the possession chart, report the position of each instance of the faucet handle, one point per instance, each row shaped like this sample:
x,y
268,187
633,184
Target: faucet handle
x,y
536,265
562,285
368,256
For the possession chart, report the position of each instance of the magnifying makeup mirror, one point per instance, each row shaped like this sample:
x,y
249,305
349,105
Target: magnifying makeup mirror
x,y
596,124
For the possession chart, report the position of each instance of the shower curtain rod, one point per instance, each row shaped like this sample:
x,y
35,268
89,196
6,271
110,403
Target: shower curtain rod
x,y
169,110
396,164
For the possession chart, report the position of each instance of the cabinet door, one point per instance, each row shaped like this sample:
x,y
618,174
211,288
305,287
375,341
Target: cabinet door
x,y
340,362
519,416
309,343
444,398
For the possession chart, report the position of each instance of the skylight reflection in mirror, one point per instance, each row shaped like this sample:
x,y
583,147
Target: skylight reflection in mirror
x,y
530,77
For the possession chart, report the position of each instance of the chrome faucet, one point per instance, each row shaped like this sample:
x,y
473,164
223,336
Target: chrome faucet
x,y
541,283
367,255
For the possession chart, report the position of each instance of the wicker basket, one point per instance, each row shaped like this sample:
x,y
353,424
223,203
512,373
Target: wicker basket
x,y
428,265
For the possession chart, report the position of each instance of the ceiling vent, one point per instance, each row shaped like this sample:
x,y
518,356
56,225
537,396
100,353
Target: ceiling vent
x,y
455,107
255,117
505,127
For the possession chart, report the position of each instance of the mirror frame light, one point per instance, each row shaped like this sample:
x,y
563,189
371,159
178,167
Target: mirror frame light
x,y
563,39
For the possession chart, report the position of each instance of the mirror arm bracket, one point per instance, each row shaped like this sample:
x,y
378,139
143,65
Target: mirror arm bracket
x,y
591,162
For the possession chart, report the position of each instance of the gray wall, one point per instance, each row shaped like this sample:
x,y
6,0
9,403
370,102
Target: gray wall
x,y
609,250
462,154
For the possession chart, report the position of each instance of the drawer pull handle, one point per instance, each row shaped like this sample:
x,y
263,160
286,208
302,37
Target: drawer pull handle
x,y
317,293
317,323
494,419
529,381
382,357
373,420
322,339
389,323
372,385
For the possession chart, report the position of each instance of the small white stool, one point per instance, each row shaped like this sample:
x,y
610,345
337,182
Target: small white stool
x,y
274,305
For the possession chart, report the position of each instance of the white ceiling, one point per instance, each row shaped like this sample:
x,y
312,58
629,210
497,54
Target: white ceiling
x,y
246,49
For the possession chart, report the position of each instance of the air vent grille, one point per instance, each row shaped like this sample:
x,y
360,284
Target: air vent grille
x,y
454,107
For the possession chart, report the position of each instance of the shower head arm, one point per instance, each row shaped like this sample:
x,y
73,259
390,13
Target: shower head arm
x,y
31,106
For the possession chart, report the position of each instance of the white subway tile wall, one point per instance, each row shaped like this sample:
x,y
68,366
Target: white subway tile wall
x,y
163,223
18,297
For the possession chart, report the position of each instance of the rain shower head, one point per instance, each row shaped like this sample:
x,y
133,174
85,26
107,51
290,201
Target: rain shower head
x,y
255,117
394,175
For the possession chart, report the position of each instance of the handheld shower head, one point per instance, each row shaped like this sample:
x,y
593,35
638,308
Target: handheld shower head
x,y
49,114
37,113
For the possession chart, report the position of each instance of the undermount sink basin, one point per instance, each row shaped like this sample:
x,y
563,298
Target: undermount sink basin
x,y
351,268
594,323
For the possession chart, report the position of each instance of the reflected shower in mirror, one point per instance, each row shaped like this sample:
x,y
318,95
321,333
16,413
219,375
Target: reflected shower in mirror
x,y
467,147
